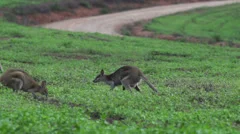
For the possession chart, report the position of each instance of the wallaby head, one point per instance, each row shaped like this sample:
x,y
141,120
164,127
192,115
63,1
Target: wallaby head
x,y
36,88
43,89
100,78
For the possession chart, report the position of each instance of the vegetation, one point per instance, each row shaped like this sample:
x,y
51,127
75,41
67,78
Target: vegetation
x,y
198,84
221,23
15,3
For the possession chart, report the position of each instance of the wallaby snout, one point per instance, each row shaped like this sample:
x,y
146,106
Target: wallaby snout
x,y
100,77
43,89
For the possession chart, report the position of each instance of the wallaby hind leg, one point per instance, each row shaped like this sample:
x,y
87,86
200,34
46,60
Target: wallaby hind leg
x,y
112,87
137,88
126,85
17,84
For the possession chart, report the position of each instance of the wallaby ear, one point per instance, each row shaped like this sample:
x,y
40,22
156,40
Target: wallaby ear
x,y
43,84
102,72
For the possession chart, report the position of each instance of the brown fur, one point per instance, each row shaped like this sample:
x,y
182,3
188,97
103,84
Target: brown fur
x,y
127,76
18,79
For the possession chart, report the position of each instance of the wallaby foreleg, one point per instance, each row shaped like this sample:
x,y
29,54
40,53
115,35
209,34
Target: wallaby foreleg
x,y
112,87
126,85
33,93
137,88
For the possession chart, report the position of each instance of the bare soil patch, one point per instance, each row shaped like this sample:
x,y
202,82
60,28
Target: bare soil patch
x,y
61,56
71,104
18,61
41,18
95,115
207,86
155,53
237,124
184,69
113,118
4,38
96,38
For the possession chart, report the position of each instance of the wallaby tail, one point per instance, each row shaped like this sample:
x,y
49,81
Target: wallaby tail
x,y
149,84
1,68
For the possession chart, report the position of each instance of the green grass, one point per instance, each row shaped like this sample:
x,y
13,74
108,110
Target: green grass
x,y
199,84
221,23
15,3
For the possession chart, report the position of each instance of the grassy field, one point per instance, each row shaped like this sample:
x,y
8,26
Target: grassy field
x,y
198,84
220,23
15,3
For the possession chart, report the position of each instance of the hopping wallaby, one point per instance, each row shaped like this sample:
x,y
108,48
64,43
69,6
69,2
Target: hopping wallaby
x,y
18,79
127,76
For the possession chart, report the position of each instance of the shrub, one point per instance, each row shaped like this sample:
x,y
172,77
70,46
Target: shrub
x,y
10,17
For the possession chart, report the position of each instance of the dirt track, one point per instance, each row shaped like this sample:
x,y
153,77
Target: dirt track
x,y
110,23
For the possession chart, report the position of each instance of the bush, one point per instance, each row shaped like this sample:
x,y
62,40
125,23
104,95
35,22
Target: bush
x,y
10,17
85,4
105,10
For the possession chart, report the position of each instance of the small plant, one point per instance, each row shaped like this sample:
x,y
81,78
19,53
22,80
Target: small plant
x,y
10,17
43,8
217,38
86,4
17,34
104,10
58,7
127,30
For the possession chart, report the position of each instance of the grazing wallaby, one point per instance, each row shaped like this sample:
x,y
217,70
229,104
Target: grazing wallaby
x,y
127,76
18,79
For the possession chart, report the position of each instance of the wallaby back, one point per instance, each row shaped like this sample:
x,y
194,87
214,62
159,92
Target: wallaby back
x,y
126,71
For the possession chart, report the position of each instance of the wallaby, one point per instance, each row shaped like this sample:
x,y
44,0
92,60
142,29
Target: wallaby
x,y
18,79
127,76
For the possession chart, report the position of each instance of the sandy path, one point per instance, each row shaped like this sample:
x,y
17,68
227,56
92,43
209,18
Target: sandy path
x,y
109,24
